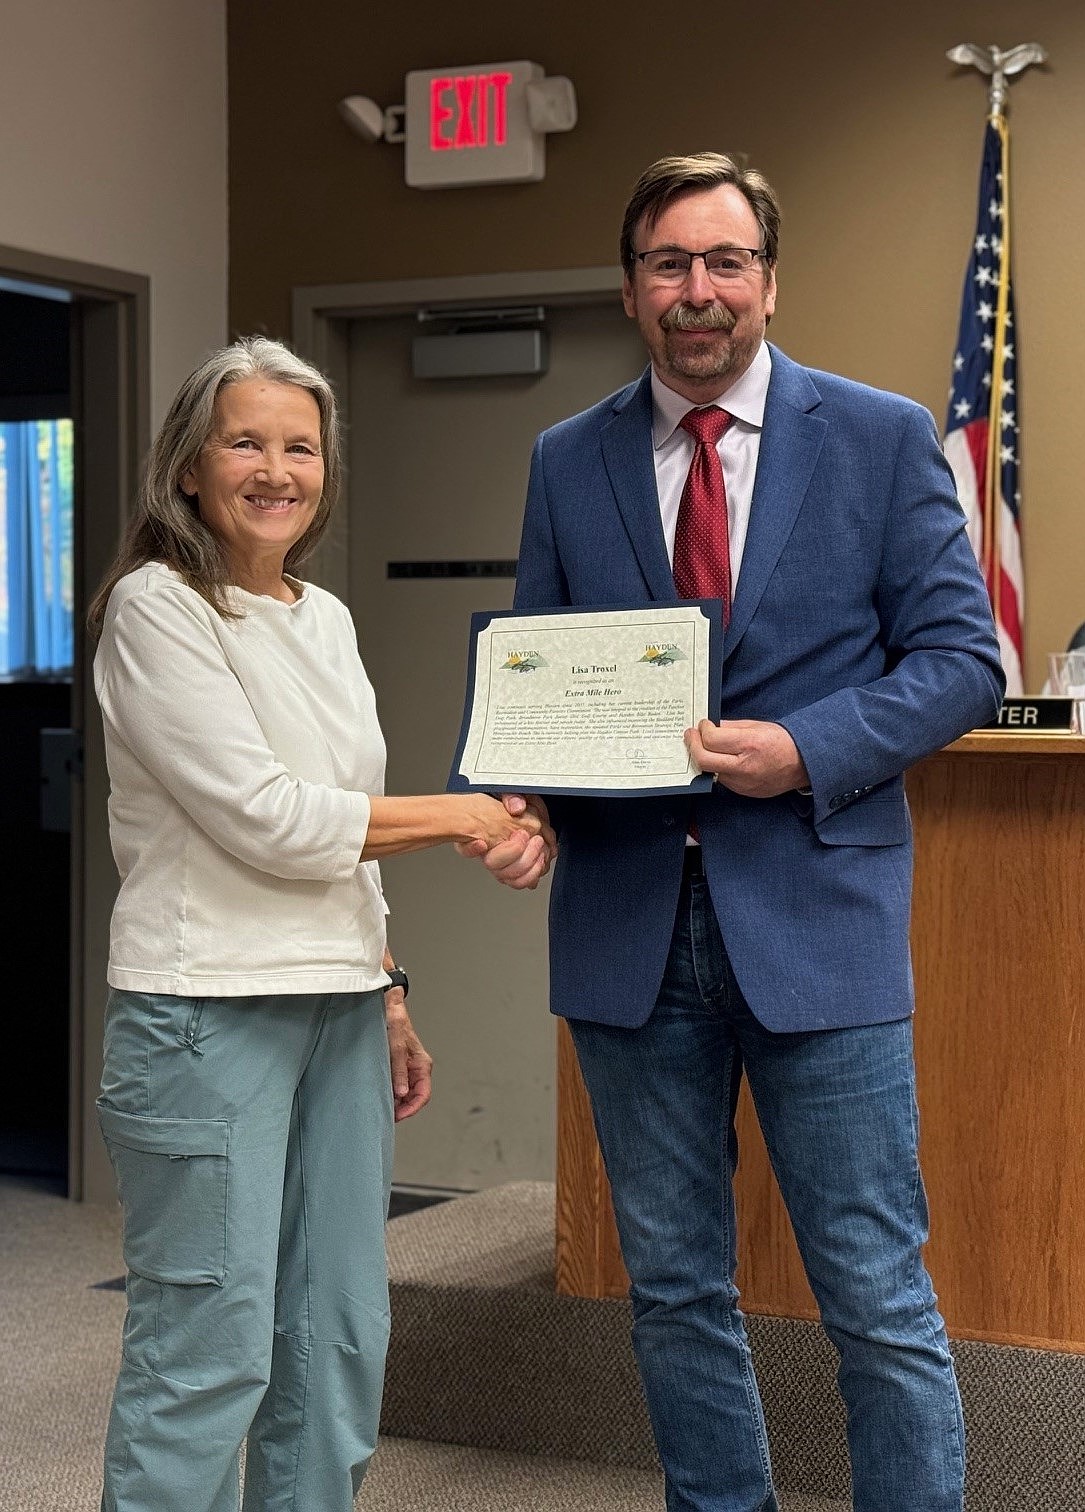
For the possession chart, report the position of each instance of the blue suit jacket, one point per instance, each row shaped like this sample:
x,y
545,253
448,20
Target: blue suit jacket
x,y
860,623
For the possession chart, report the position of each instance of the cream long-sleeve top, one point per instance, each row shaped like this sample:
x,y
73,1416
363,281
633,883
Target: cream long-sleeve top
x,y
241,754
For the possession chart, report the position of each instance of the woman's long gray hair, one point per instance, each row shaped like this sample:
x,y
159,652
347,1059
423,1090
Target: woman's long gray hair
x,y
166,524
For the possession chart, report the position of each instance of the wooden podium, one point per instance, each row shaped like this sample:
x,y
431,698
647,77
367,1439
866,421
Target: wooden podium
x,y
998,943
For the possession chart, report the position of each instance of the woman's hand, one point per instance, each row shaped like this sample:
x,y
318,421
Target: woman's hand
x,y
490,822
473,820
412,1067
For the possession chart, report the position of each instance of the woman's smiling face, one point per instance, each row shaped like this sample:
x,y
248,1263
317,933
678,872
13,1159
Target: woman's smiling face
x,y
260,475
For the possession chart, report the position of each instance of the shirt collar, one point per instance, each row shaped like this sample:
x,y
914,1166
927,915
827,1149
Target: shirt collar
x,y
745,399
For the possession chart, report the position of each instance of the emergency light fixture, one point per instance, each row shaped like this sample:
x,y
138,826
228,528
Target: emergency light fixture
x,y
478,124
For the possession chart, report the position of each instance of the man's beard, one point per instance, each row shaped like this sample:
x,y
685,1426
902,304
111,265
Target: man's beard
x,y
713,360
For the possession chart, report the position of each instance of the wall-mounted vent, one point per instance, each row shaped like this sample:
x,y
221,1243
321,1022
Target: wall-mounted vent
x,y
482,342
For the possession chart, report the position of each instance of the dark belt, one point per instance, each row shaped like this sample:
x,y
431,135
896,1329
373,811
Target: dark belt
x,y
692,862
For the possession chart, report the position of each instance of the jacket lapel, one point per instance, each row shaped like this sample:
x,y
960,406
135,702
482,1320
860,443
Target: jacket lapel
x,y
791,442
626,440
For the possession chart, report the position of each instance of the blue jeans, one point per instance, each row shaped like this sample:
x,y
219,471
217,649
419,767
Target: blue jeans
x,y
251,1139
838,1112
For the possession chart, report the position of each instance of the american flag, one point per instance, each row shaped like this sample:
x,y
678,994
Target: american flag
x,y
981,438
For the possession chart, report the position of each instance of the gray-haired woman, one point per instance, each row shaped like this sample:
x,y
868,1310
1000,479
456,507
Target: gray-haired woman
x,y
247,1098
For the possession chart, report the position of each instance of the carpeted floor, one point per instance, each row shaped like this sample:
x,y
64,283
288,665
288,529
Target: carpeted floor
x,y
484,1352
61,1335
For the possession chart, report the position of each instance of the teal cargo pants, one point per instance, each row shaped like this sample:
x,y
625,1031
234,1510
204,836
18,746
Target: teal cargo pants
x,y
251,1141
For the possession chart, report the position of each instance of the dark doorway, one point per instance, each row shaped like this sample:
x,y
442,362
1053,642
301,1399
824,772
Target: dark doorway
x,y
35,701
35,924
76,350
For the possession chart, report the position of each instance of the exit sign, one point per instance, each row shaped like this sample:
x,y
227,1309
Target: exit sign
x,y
470,125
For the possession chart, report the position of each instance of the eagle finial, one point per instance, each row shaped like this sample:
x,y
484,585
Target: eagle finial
x,y
1000,65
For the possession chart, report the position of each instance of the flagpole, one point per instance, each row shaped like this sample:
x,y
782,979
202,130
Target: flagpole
x,y
992,564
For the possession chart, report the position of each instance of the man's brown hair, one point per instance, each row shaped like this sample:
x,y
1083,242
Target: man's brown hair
x,y
671,177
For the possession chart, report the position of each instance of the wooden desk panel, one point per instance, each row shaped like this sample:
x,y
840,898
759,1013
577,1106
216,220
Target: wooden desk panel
x,y
999,949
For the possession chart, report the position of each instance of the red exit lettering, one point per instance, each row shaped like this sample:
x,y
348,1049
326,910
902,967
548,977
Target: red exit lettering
x,y
477,107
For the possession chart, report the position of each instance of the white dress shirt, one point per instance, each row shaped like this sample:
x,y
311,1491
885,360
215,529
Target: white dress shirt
x,y
738,449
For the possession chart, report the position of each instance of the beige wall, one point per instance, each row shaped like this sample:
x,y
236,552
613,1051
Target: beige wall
x,y
113,120
113,124
871,136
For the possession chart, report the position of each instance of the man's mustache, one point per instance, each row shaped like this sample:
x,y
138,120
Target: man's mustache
x,y
684,317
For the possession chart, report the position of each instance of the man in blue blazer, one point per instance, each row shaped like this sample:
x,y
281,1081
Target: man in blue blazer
x,y
762,928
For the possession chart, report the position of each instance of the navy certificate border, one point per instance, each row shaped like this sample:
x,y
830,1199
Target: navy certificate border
x,y
483,618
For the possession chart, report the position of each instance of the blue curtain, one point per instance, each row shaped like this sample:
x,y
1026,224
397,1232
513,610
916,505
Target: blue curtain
x,y
36,628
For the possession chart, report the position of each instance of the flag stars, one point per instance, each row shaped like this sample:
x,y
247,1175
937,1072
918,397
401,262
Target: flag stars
x,y
1005,454
984,311
988,342
983,275
962,409
958,362
1007,352
1006,387
981,244
1009,419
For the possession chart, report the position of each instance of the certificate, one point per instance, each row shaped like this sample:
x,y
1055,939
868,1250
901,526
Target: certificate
x,y
589,701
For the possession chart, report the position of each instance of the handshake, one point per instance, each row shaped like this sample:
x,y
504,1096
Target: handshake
x,y
515,841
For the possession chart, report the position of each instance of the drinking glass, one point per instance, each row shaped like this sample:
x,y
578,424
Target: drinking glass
x,y
1066,675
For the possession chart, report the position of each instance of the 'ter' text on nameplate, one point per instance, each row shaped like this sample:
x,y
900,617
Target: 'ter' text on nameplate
x,y
1042,714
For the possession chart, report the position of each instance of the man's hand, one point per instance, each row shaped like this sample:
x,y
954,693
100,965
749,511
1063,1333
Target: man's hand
x,y
750,756
412,1067
522,860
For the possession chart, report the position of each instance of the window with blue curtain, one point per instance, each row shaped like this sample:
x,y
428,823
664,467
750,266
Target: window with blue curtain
x,y
36,570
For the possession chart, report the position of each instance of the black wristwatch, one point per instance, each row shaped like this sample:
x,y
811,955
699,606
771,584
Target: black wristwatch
x,y
399,979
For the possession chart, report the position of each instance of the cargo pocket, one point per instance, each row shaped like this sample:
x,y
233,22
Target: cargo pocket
x,y
172,1178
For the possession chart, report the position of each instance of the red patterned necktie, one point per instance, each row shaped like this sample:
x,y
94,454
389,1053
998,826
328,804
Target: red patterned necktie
x,y
702,557
702,553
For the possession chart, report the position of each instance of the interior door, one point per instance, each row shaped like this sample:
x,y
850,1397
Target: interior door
x,y
438,469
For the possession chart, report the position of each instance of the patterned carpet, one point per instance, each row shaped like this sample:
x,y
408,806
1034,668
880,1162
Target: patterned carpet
x,y
61,1338
494,1400
483,1352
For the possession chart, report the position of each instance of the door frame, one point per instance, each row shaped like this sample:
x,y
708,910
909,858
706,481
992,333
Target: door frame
x,y
321,316
111,402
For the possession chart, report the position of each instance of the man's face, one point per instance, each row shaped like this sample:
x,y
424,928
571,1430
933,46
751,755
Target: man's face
x,y
724,320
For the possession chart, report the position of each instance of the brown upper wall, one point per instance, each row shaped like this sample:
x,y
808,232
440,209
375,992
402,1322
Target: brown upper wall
x,y
870,135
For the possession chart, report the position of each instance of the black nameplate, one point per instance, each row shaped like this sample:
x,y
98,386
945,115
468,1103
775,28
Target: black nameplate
x,y
476,569
1043,714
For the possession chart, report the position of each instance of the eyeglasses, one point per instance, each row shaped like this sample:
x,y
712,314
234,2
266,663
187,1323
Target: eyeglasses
x,y
672,264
